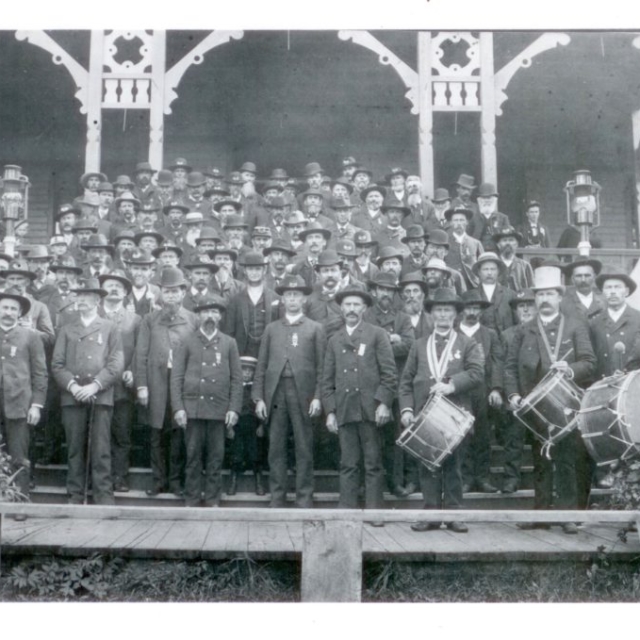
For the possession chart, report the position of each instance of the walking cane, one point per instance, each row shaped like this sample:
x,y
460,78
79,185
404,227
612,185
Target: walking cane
x,y
88,453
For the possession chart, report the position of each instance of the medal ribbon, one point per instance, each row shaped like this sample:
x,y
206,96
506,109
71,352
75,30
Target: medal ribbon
x,y
439,366
553,355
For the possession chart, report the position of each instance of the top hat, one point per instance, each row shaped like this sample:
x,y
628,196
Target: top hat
x,y
181,163
99,241
547,277
92,174
210,302
253,259
346,248
486,190
105,186
314,227
312,168
65,263
415,277
328,258
488,256
249,166
414,232
441,195
524,295
293,282
596,265
444,295
90,285
616,275
448,214
172,277
352,290
364,238
372,187
195,179
144,166
164,178
67,208
473,296
466,181
24,302
116,275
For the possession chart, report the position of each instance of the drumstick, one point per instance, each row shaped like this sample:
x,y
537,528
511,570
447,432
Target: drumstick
x,y
619,349
565,355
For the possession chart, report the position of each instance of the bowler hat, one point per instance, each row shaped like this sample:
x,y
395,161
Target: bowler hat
x,y
99,241
279,174
128,197
124,181
116,275
415,277
438,237
363,238
181,163
65,263
92,174
19,268
279,246
393,203
90,285
24,302
195,179
328,258
314,227
354,291
208,233
441,195
293,282
313,192
149,234
486,190
383,279
125,234
276,203
346,248
473,296
175,204
261,232
172,277
272,184
141,257
340,203
547,277
596,265
506,232
524,295
466,180
164,178
349,161
167,246
144,166
396,171
488,256
84,225
448,214
235,221
217,190
252,259
372,187
105,186
444,295
223,251
312,168
199,263
616,275
249,166
414,232
210,302
362,169
344,182
67,208
233,203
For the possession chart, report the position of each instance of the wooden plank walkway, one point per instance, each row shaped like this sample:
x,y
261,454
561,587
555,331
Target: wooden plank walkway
x,y
490,542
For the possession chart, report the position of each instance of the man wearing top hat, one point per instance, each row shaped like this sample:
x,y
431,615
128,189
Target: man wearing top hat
x,y
617,325
200,273
370,216
451,364
465,186
127,323
359,383
206,399
518,274
582,299
499,315
252,309
87,361
487,219
286,390
144,189
161,334
463,249
552,342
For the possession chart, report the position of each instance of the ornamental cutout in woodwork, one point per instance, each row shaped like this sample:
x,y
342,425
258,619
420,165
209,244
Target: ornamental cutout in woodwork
x,y
127,52
455,54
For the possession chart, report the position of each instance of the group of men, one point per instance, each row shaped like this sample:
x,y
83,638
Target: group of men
x,y
221,317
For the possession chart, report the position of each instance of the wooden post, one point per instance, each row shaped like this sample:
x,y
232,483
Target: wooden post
x,y
94,103
331,561
425,115
488,113
156,113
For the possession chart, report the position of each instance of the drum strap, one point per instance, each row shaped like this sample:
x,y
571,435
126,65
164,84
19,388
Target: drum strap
x,y
553,355
437,365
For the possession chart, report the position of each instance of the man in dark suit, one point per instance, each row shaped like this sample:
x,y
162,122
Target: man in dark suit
x,y
161,334
358,386
488,219
446,363
87,362
533,233
413,290
286,390
23,381
582,299
498,316
206,397
199,273
553,341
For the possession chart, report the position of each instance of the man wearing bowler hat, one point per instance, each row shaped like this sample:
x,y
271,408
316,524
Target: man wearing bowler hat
x,y
164,187
582,299
286,390
252,309
278,256
206,399
195,199
487,219
161,334
465,186
66,218
359,384
447,363
560,343
144,296
370,216
518,274
87,361
416,242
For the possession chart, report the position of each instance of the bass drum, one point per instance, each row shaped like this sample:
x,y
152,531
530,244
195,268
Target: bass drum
x,y
609,418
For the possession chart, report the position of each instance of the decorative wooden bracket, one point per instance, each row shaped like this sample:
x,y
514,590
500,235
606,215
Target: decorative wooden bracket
x,y
60,57
523,61
195,56
408,76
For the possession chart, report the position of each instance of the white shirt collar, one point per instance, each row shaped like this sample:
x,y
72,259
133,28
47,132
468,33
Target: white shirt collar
x,y
585,300
548,319
615,315
489,290
469,331
291,319
350,330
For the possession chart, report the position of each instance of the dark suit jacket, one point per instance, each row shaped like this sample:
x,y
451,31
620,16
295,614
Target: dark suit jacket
x,y
303,345
493,353
528,361
499,315
359,373
206,378
394,322
41,322
483,228
319,307
24,371
465,370
573,308
85,354
605,333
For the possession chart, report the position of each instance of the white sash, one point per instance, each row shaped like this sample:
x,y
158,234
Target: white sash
x,y
439,366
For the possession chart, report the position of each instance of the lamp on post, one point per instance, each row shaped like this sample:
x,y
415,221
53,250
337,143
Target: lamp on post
x,y
14,203
583,206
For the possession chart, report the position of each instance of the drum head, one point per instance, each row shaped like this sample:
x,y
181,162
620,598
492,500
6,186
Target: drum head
x,y
630,406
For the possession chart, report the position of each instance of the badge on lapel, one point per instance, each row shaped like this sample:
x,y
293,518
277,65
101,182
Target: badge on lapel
x,y
294,340
100,339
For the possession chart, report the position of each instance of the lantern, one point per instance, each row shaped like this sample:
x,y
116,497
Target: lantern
x,y
14,202
583,206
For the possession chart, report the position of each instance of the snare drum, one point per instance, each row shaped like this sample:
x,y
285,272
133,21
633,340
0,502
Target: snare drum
x,y
436,432
551,408
609,418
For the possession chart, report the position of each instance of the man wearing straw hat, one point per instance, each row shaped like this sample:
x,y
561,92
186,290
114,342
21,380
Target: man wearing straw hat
x,y
552,342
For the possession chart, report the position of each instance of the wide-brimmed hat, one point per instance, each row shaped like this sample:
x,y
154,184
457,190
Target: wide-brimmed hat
x,y
195,179
99,241
444,295
67,208
344,182
125,234
213,172
235,221
524,295
396,171
414,232
116,275
253,259
142,258
439,237
383,279
313,192
473,296
249,166
414,277
363,169
467,181
235,178
223,251
393,203
346,248
328,258
90,285
294,218
208,233
272,184
279,174
199,263
65,263
181,163
124,181
261,232
615,274
175,204
39,252
276,203
172,277
486,190
547,277
144,166
18,268
340,203
364,238
105,186
448,214
354,291
233,203
23,301
84,225
210,302
312,168
92,174
387,253
167,246
293,282
280,246
596,265
217,189
128,197
314,227
373,187
193,217
150,207
437,263
506,232
488,256
149,234
441,195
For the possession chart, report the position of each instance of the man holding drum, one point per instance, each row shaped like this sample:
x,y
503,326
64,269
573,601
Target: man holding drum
x,y
445,363
552,342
